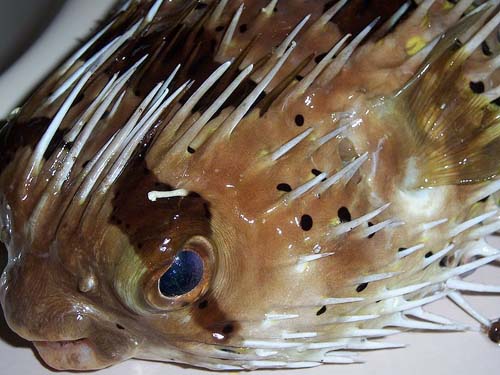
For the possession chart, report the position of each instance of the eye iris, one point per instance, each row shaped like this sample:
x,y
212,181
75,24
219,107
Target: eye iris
x,y
183,276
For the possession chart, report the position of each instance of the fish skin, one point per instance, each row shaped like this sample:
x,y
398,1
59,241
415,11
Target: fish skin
x,y
289,278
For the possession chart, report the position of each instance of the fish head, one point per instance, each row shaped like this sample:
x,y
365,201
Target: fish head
x,y
137,277
190,274
265,210
88,298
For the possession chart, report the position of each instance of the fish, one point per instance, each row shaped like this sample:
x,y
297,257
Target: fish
x,y
237,185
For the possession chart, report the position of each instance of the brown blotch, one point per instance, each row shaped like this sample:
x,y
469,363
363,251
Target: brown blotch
x,y
158,229
213,320
175,41
357,14
15,135
122,22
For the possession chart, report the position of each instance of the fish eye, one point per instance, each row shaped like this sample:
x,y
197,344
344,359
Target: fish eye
x,y
184,275
184,279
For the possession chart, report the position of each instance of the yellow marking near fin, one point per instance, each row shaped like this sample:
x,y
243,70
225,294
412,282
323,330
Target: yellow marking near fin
x,y
414,45
334,222
425,21
312,137
448,5
263,153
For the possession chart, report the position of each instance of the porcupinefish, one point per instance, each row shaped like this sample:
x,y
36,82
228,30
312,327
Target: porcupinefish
x,y
253,184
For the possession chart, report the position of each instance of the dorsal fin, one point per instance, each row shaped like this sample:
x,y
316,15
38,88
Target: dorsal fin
x,y
456,131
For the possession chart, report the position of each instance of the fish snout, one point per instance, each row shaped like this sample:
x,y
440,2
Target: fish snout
x,y
42,304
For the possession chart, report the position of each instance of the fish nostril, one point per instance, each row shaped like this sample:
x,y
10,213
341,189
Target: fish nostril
x,y
347,150
86,284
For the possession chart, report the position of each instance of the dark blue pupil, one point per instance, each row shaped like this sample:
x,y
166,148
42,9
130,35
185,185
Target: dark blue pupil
x,y
183,276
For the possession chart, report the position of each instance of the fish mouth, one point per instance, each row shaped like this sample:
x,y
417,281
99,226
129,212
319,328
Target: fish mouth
x,y
79,354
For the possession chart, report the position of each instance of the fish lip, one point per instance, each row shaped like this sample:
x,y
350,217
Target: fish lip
x,y
79,354
61,343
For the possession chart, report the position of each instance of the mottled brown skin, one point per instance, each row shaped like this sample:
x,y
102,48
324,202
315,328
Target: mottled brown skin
x,y
120,243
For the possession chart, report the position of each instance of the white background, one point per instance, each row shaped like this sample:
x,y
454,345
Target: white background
x,y
427,353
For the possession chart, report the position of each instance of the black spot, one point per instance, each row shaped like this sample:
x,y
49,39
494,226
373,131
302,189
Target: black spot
x,y
228,328
119,326
429,254
203,304
477,87
299,78
229,351
191,150
484,199
402,249
284,187
299,120
443,263
361,287
243,28
316,172
320,57
219,28
494,332
321,311
85,164
344,215
370,224
486,49
496,102
306,222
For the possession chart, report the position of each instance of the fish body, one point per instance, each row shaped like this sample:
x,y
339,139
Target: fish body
x,y
253,185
